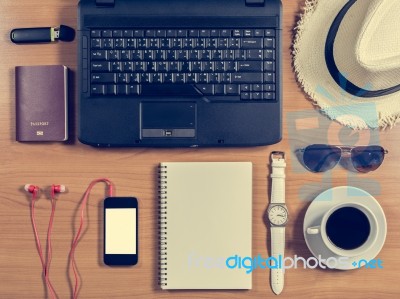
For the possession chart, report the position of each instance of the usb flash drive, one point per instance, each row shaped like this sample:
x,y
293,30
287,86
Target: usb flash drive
x,y
42,34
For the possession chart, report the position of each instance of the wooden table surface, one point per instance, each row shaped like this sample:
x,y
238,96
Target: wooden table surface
x,y
133,171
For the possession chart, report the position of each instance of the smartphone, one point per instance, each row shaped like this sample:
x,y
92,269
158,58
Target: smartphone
x,y
120,231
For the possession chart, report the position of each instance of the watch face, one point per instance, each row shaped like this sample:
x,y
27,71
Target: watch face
x,y
278,215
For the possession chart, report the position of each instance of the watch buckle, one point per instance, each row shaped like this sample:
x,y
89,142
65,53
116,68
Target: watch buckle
x,y
277,155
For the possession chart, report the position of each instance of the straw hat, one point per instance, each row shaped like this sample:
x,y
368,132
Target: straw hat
x,y
347,59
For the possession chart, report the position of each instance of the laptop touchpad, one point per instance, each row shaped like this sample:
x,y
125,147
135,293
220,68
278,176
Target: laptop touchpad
x,y
168,120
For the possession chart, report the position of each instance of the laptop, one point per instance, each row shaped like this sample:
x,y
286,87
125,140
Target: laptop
x,y
179,73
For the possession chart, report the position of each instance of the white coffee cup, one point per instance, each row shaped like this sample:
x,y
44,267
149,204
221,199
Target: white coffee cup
x,y
372,237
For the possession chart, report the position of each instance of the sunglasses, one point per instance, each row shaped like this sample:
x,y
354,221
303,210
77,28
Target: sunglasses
x,y
323,157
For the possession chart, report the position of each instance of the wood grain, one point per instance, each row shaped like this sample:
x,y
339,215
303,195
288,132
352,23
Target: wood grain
x,y
134,173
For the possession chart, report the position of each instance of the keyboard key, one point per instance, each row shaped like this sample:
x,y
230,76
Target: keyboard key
x,y
269,32
254,54
127,67
237,33
96,43
257,95
106,33
107,43
171,33
168,78
122,89
157,78
185,67
241,54
219,89
245,96
269,43
206,89
269,54
269,96
203,78
226,78
120,43
219,66
239,78
225,33
213,78
111,90
248,33
230,66
137,54
101,66
99,55
134,78
161,33
214,33
250,66
233,43
150,33
114,55
193,33
269,87
126,55
179,78
95,33
181,33
139,66
123,78
257,87
232,89
117,33
133,89
258,33
116,67
138,33
269,66
97,90
245,88
204,33
269,77
127,33
190,78
251,43
173,66
104,78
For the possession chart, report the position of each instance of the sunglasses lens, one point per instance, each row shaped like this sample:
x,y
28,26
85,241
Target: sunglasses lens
x,y
321,157
367,158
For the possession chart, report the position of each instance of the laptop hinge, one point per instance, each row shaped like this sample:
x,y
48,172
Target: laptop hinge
x,y
105,3
255,2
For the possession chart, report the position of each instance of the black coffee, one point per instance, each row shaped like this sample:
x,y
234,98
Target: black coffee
x,y
348,228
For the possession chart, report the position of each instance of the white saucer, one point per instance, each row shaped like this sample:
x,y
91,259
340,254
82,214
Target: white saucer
x,y
323,203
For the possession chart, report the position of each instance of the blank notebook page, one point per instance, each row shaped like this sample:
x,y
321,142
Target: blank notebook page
x,y
208,219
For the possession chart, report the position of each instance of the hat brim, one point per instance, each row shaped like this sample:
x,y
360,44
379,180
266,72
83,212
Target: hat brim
x,y
313,74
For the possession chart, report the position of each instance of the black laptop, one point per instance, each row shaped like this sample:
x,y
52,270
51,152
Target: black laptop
x,y
180,73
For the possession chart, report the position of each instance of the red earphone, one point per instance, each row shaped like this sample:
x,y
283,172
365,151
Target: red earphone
x,y
34,190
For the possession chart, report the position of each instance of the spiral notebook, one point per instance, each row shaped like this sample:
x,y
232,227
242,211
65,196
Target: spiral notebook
x,y
205,221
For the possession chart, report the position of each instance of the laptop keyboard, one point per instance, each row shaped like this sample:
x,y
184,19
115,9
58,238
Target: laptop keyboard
x,y
223,64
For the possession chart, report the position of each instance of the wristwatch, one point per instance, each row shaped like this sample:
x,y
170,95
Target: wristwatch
x,y
278,216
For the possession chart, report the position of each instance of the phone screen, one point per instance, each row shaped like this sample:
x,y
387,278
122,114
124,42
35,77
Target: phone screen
x,y
120,231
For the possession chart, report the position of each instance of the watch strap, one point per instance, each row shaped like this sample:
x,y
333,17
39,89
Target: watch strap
x,y
278,179
277,249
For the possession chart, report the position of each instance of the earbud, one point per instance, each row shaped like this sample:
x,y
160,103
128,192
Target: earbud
x,y
31,188
58,188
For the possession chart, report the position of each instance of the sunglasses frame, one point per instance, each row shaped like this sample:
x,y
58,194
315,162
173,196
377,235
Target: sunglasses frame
x,y
345,150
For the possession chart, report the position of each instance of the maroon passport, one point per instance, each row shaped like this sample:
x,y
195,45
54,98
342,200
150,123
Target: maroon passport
x,y
41,103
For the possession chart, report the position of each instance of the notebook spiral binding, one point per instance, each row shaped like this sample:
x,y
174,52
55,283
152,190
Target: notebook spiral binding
x,y
162,225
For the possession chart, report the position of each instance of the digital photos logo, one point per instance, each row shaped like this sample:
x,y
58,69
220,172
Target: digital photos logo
x,y
249,264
